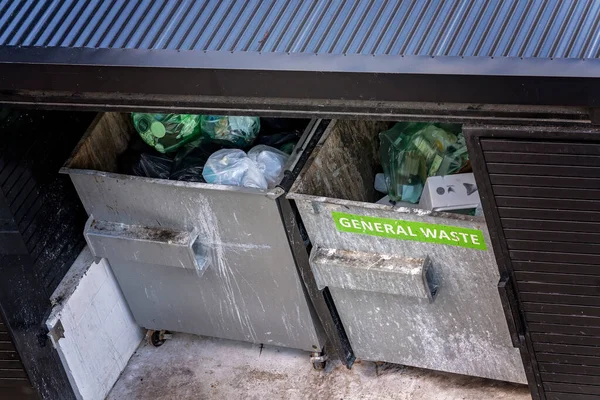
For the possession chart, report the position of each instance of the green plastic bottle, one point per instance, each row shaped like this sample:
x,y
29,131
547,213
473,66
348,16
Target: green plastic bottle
x,y
167,132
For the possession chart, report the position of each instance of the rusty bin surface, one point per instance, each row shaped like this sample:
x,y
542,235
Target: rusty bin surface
x,y
402,297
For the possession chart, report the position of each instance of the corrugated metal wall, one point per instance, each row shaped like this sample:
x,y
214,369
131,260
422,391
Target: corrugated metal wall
x,y
514,28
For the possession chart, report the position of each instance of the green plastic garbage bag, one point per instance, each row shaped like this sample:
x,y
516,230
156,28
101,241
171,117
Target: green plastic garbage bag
x,y
167,132
412,151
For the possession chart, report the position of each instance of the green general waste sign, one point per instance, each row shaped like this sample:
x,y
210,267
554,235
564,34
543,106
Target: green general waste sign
x,y
409,230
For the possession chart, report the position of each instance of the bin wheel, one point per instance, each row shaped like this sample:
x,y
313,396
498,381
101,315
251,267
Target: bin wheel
x,y
158,338
319,360
319,366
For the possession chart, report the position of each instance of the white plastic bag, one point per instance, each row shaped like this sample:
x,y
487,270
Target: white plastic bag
x,y
233,167
270,162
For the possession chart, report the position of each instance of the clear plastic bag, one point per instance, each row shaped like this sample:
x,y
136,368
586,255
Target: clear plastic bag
x,y
233,167
270,161
167,132
237,131
412,151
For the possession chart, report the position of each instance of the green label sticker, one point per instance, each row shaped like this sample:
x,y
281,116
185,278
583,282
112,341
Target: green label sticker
x,y
409,230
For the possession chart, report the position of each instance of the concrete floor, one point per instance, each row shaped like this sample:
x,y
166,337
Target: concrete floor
x,y
192,367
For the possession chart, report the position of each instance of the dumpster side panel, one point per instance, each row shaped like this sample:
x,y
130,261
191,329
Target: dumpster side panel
x,y
540,192
337,343
462,330
344,164
250,290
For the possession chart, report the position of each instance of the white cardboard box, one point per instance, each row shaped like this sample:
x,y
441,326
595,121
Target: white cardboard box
x,y
450,193
92,327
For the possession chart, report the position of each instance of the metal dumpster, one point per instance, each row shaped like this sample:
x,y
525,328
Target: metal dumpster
x,y
411,286
193,257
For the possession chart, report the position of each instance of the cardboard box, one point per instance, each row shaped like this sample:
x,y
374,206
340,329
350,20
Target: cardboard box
x,y
450,193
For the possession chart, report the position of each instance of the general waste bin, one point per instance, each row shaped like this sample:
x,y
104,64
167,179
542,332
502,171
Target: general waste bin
x,y
411,286
192,257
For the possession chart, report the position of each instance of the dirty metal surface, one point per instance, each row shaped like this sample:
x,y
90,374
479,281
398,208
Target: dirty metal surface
x,y
344,163
355,270
250,289
463,330
153,245
337,344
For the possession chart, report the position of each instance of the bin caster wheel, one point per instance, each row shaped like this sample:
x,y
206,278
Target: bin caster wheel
x,y
319,360
158,338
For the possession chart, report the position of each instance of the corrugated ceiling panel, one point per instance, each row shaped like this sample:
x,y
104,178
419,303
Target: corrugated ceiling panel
x,y
513,28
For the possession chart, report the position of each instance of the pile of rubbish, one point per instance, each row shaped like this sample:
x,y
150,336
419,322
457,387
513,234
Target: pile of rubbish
x,y
428,164
229,150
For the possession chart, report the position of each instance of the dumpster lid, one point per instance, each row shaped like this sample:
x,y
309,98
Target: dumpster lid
x,y
156,52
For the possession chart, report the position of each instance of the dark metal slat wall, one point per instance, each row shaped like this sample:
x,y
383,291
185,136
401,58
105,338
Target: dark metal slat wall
x,y
542,190
41,220
14,382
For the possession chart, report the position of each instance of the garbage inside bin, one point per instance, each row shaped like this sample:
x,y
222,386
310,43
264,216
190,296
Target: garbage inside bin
x,y
184,165
153,166
412,151
386,201
380,184
282,141
167,132
281,133
453,193
236,131
270,162
261,168
233,167
189,161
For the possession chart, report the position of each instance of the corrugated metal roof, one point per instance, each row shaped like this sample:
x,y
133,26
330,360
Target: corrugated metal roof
x,y
509,28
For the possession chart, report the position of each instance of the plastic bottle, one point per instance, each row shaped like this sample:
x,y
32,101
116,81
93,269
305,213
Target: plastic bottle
x,y
379,184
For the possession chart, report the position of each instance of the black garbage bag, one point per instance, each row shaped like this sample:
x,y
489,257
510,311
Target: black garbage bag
x,y
190,159
153,166
284,141
270,126
141,160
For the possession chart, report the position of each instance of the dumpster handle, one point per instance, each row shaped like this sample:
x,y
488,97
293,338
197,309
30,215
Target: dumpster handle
x,y
151,245
372,272
508,299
